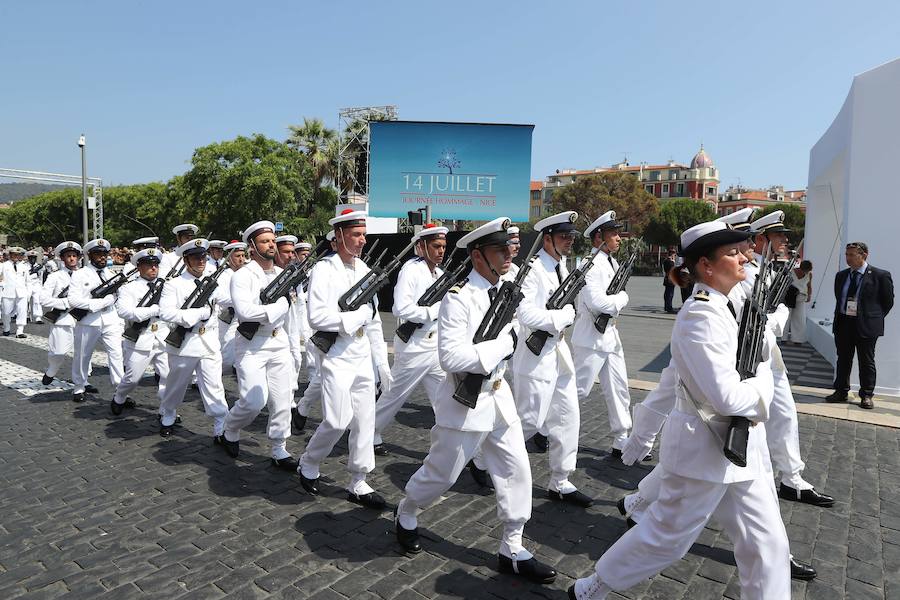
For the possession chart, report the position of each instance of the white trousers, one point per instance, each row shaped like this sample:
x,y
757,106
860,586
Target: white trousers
x,y
136,362
551,406
37,311
504,454
312,395
348,401
610,366
19,307
408,370
795,331
59,343
227,332
86,339
783,433
263,379
748,513
209,380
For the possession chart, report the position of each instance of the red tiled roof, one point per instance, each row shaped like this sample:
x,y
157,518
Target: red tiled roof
x,y
537,186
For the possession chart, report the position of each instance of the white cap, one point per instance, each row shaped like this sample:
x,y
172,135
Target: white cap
x,y
705,236
302,246
195,246
31,253
146,241
605,221
431,230
67,246
100,245
148,255
185,227
771,223
235,245
349,218
217,243
513,230
16,250
493,233
739,219
564,221
330,236
258,227
286,239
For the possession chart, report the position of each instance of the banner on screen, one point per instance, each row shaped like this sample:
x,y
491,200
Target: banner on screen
x,y
466,171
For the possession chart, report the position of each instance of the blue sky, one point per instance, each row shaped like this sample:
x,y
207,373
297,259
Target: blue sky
x,y
756,82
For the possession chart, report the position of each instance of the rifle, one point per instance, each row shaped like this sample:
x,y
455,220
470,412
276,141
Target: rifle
x,y
110,286
293,275
134,330
368,255
618,283
499,314
361,293
565,294
435,292
199,297
54,314
176,269
782,280
751,334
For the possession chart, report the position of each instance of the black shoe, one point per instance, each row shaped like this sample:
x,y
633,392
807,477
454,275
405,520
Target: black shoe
x,y
129,402
288,463
836,397
621,506
647,458
310,485
298,421
616,453
541,442
572,595
530,569
866,402
6,333
479,475
89,389
231,448
577,498
407,538
381,450
370,500
801,571
810,496
166,430
195,387
115,408
156,378
78,397
46,379
21,336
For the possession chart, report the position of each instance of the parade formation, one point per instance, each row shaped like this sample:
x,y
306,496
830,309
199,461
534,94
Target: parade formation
x,y
505,353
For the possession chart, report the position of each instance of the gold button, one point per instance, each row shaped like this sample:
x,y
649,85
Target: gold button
x,y
497,385
202,330
274,332
154,327
360,332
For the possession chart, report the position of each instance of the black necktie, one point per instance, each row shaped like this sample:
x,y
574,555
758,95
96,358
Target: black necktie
x,y
100,275
559,276
731,308
854,284
611,263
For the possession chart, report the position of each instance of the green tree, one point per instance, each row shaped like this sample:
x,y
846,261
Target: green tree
x,y
34,219
320,146
794,219
593,195
676,215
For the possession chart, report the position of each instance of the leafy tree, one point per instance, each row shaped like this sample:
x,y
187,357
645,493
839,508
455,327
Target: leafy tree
x,y
319,144
449,161
34,218
676,215
593,195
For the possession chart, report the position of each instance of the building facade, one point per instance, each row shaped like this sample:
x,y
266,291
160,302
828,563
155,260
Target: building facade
x,y
735,198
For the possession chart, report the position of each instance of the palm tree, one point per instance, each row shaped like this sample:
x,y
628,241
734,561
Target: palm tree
x,y
317,142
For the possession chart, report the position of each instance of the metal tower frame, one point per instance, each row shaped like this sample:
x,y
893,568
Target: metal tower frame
x,y
346,117
74,180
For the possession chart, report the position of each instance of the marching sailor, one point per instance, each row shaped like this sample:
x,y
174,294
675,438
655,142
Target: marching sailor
x,y
54,297
35,280
172,265
285,254
144,243
216,254
237,253
493,427
16,292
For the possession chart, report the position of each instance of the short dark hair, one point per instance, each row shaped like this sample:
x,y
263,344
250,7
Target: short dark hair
x,y
861,246
806,265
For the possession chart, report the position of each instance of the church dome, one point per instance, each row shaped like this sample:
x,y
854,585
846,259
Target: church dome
x,y
701,160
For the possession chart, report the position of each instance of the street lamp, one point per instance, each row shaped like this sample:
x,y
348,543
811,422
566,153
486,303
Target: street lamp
x,y
84,207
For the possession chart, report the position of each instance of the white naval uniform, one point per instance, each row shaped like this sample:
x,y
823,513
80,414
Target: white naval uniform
x,y
60,340
297,342
150,347
493,428
264,363
199,353
16,293
168,260
35,279
415,361
348,378
100,324
544,385
698,482
602,354
226,330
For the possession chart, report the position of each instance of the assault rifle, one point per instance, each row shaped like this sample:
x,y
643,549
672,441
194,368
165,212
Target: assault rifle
x,y
781,281
751,335
134,330
499,314
565,294
198,298
293,275
618,283
435,292
370,250
110,286
54,314
361,293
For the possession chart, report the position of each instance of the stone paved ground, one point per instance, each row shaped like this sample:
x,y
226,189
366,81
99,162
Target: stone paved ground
x,y
96,507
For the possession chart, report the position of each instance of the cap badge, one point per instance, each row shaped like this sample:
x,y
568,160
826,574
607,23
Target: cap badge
x,y
198,243
505,224
151,252
573,217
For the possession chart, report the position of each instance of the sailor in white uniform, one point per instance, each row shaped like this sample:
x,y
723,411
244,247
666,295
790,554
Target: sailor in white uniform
x,y
35,280
172,266
54,298
16,291
236,253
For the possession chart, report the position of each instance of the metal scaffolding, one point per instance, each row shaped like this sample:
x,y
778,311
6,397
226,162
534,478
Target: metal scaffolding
x,y
353,147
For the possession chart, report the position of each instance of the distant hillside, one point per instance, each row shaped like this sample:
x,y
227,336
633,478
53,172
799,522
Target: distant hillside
x,y
11,192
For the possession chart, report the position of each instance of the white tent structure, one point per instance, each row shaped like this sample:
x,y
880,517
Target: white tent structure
x,y
851,198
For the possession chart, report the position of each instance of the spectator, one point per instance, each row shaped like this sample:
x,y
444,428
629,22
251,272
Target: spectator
x,y
801,293
864,295
668,287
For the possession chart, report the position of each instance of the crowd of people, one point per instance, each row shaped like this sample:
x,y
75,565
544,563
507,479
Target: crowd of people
x,y
265,307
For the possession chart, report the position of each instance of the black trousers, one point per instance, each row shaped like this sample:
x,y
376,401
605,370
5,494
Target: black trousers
x,y
686,293
668,294
848,342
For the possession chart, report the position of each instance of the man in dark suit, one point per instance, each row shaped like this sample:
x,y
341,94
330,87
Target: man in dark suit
x,y
863,297
668,287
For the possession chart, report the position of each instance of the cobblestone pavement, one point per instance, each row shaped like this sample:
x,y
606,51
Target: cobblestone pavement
x,y
100,507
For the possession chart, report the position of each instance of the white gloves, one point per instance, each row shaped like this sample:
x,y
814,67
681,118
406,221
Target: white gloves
x,y
635,450
205,313
622,299
387,380
109,300
568,314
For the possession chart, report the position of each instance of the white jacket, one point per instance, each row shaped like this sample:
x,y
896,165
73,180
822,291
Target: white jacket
x,y
413,280
246,284
102,313
15,279
593,301
203,338
127,307
58,281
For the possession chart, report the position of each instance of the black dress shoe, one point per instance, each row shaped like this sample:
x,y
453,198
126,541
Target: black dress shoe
x,y
298,421
166,430
89,389
177,419
836,397
288,463
801,571
78,397
541,442
866,402
6,333
621,506
616,453
407,538
577,498
479,475
310,485
129,402
572,595
21,336
46,379
232,449
530,569
810,496
370,500
115,408
381,450
156,378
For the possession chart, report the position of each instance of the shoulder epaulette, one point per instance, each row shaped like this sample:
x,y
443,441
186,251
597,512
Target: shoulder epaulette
x,y
455,289
702,295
